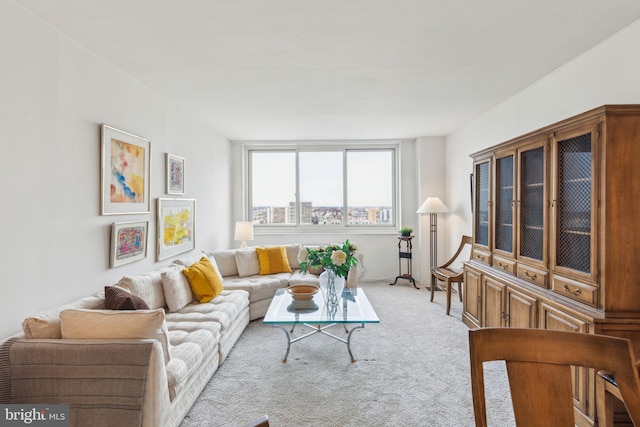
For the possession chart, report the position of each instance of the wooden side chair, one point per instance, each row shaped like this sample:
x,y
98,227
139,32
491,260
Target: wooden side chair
x,y
449,275
539,364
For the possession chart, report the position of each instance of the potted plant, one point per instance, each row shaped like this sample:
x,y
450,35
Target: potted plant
x,y
406,231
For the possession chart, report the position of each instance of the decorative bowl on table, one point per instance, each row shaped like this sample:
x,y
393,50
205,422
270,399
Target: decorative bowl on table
x,y
302,292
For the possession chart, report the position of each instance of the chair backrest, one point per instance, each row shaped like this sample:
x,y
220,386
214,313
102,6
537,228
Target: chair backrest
x,y
466,240
539,370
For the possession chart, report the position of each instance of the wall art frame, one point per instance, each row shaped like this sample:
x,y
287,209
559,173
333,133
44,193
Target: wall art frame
x,y
129,241
176,227
125,172
175,174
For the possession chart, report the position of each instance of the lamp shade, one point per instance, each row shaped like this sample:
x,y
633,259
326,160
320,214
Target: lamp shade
x,y
244,231
432,205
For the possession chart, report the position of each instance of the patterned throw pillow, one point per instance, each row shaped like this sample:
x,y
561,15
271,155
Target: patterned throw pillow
x,y
119,299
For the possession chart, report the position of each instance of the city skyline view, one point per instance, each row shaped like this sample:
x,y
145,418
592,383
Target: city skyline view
x,y
321,215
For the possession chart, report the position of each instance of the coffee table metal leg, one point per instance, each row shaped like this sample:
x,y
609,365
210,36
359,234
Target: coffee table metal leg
x,y
286,354
315,330
349,341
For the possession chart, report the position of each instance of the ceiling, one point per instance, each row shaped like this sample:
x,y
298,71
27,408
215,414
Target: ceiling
x,y
337,69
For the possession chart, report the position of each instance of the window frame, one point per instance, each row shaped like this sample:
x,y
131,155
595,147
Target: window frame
x,y
315,146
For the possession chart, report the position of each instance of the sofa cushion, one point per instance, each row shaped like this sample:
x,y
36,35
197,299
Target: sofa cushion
x,y
300,278
114,324
223,310
147,286
273,260
177,290
204,280
46,325
247,262
188,348
259,287
118,299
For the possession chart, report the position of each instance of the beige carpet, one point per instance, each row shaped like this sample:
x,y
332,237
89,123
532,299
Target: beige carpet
x,y
412,369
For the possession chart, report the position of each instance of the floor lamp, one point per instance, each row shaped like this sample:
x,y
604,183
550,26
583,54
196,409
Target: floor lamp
x,y
433,206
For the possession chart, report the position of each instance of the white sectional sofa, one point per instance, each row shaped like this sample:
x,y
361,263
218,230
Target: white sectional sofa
x,y
142,367
241,270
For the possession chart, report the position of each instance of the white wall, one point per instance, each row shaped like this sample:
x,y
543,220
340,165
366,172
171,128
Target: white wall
x,y
606,74
54,96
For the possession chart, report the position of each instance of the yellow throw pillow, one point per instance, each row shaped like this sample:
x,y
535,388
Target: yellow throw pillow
x,y
273,260
203,279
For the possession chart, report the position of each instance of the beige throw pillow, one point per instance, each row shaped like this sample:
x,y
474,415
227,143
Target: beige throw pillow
x,y
147,286
177,291
247,262
225,262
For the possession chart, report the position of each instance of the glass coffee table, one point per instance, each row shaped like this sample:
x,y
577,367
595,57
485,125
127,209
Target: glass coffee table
x,y
353,309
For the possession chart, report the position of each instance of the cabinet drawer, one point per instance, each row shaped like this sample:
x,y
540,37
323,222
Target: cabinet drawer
x,y
504,264
533,275
481,256
576,290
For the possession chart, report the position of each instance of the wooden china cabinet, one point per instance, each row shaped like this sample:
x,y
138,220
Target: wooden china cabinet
x,y
555,240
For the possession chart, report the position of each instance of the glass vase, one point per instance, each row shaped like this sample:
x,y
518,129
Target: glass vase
x,y
331,286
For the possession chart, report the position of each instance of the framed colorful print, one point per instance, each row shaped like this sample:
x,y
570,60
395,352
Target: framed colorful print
x,y
176,226
126,173
128,242
175,174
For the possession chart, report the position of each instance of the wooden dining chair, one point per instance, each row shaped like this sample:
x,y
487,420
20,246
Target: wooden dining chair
x,y
538,366
449,275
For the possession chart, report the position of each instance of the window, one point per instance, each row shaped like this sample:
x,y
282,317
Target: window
x,y
322,186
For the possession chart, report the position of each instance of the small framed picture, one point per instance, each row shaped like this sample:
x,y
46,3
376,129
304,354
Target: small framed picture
x,y
175,174
126,173
176,227
128,242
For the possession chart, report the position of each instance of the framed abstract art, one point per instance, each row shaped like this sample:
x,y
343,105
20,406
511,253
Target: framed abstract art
x,y
175,174
176,227
128,242
126,173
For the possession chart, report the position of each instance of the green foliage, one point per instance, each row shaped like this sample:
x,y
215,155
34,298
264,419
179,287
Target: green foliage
x,y
406,231
337,257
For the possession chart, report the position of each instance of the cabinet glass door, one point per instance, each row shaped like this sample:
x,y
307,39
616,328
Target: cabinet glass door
x,y
573,203
532,204
481,203
504,204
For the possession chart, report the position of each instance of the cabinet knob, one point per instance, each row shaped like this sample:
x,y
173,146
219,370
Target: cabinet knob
x,y
503,265
576,291
531,276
